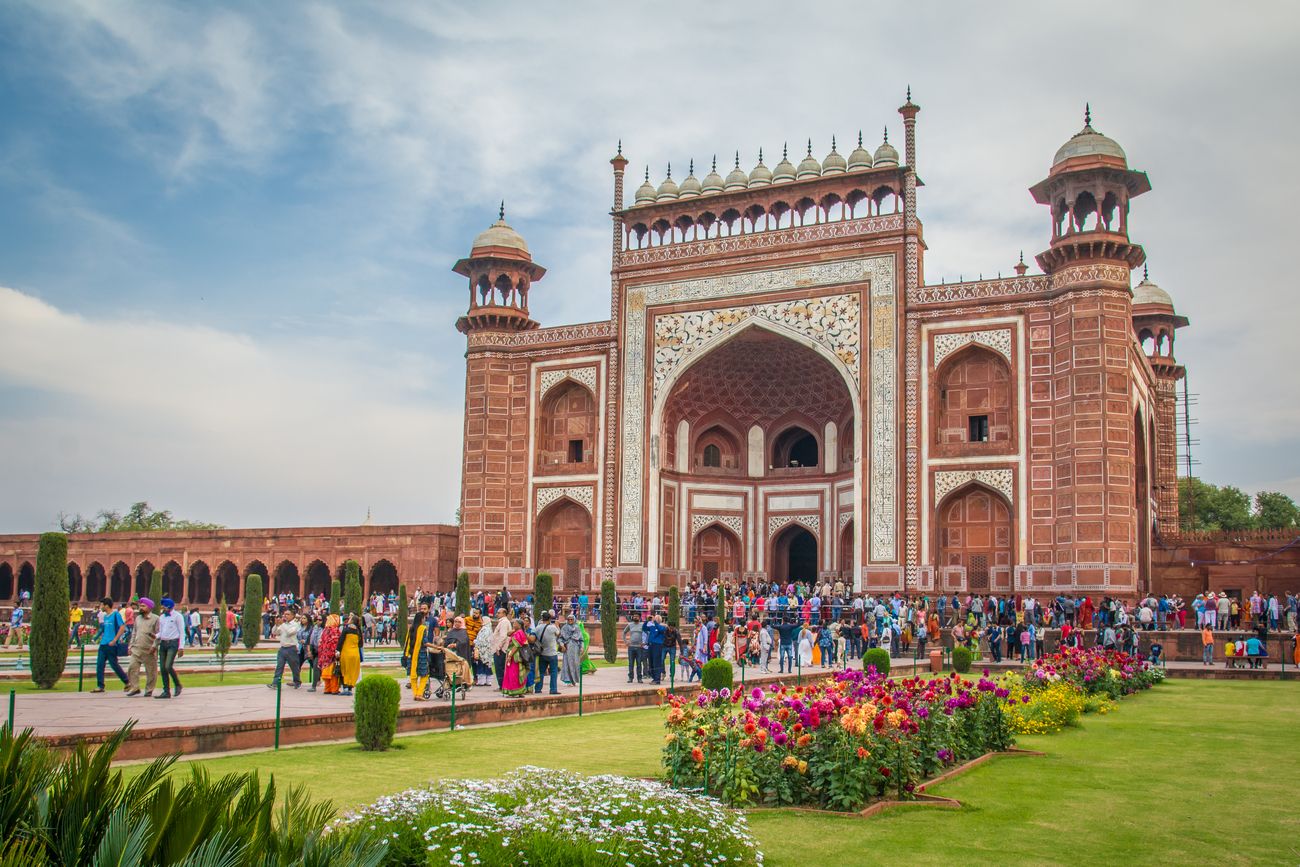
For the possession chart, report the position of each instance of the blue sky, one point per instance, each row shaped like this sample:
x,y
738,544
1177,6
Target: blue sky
x,y
227,229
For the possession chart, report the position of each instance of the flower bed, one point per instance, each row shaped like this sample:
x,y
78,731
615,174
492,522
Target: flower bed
x,y
541,817
1092,671
837,745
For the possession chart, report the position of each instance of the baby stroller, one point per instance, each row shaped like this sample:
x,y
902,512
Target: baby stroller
x,y
455,675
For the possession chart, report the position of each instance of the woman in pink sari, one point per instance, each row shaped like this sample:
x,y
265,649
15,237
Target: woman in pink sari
x,y
515,682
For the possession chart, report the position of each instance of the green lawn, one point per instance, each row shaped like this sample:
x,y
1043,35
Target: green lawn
x,y
1164,780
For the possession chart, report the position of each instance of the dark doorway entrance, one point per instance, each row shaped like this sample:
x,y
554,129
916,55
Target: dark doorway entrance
x,y
794,555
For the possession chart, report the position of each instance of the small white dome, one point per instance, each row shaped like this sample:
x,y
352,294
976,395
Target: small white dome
x,y
668,189
784,172
834,164
885,154
808,166
737,179
861,157
690,186
760,175
1089,142
712,181
645,194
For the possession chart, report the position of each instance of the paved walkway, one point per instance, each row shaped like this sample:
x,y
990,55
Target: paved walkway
x,y
79,713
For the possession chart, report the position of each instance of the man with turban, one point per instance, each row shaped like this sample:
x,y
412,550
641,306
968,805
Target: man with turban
x,y
144,649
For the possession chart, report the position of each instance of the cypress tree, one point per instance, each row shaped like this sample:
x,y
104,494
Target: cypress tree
x,y
354,600
403,612
50,618
336,596
674,605
252,620
222,646
543,584
155,586
462,594
722,607
609,620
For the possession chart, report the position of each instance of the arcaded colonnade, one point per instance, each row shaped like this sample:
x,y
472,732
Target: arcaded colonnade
x,y
202,567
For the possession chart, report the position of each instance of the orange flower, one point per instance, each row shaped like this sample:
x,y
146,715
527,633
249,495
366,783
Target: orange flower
x,y
863,753
697,755
804,740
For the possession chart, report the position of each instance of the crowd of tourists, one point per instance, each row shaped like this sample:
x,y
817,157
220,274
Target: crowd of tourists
x,y
501,643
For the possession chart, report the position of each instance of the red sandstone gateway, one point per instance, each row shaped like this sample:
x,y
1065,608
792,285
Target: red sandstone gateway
x,y
779,394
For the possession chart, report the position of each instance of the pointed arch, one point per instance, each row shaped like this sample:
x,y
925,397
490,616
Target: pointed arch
x,y
119,582
566,432
6,581
716,552
286,579
74,582
173,582
144,577
229,585
199,588
383,578
317,579
795,554
973,402
563,542
977,525
96,582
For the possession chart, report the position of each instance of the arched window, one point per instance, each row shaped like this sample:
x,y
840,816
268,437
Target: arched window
x,y
795,447
717,448
568,428
712,456
974,404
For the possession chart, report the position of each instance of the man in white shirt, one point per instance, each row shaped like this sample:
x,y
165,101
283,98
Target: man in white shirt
x,y
171,646
287,633
196,627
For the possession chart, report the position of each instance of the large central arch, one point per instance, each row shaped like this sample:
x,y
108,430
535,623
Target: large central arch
x,y
788,420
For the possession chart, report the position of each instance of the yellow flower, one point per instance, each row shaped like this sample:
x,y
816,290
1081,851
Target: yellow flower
x,y
803,767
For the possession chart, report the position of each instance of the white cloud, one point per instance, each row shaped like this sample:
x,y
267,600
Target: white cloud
x,y
216,425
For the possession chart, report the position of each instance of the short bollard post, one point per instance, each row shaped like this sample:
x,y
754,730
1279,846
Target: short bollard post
x,y
81,669
742,673
798,664
582,675
453,702
12,693
279,685
672,675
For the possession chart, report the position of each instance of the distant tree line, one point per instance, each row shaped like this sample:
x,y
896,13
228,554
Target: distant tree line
x,y
138,518
1209,508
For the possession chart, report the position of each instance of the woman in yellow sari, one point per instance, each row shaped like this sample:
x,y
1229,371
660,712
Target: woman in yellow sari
x,y
418,659
350,654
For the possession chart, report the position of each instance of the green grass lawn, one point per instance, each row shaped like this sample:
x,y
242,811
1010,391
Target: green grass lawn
x,y
1193,771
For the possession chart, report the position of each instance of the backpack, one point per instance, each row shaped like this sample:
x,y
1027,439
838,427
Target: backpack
x,y
528,652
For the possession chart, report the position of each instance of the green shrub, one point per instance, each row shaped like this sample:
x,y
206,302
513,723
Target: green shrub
x,y
543,597
674,605
961,659
879,657
462,594
354,600
403,615
50,616
377,699
609,619
156,586
252,611
721,608
336,596
716,674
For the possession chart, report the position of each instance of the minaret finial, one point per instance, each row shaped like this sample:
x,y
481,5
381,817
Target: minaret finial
x,y
909,93
501,214
620,147
1022,257
809,147
785,151
859,138
647,174
1144,273
1087,114
760,156
832,144
692,171
886,135
737,159
715,164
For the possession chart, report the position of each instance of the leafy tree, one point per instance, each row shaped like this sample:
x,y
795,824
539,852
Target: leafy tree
x,y
403,615
50,617
542,593
354,601
138,518
252,611
1206,507
609,619
1276,511
674,605
462,594
155,586
336,596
